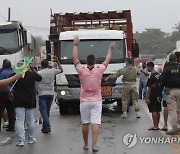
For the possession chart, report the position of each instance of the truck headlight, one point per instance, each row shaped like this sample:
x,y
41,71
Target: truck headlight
x,y
65,93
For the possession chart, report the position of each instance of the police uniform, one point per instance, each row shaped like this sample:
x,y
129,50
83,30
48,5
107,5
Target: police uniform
x,y
129,73
170,79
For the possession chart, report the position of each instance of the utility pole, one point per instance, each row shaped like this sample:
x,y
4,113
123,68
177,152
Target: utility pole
x,y
9,14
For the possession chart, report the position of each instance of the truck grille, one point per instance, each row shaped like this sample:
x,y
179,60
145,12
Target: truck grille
x,y
74,82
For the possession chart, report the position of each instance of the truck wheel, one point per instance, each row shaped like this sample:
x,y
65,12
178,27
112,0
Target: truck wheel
x,y
63,110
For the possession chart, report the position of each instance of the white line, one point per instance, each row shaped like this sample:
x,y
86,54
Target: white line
x,y
6,140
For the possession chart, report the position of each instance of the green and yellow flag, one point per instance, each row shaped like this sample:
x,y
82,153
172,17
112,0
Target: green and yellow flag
x,y
22,65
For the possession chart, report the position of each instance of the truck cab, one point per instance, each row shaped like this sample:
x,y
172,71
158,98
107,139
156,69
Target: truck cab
x,y
12,40
96,31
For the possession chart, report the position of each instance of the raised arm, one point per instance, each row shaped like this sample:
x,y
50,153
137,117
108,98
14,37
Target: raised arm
x,y
109,53
75,50
58,63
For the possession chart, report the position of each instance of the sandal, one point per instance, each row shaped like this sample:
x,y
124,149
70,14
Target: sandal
x,y
152,128
95,150
164,129
85,148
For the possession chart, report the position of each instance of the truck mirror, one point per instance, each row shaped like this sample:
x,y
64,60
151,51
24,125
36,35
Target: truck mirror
x,y
48,50
135,49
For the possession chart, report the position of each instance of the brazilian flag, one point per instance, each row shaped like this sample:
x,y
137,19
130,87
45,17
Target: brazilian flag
x,y
22,65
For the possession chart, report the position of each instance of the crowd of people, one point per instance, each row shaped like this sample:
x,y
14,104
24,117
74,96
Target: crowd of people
x,y
19,98
162,90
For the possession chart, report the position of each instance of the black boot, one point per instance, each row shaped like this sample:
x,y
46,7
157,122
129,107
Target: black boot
x,y
46,130
10,130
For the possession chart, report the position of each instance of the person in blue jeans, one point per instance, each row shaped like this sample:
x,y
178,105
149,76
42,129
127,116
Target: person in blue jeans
x,y
24,103
143,81
165,114
46,91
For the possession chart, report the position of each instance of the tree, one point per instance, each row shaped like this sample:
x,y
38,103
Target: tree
x,y
177,27
154,41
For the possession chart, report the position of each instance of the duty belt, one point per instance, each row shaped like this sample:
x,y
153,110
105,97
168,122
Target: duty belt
x,y
127,82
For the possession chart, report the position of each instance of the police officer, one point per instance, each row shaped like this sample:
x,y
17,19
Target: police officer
x,y
170,79
129,73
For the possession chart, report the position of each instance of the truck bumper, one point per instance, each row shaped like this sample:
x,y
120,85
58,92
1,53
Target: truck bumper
x,y
70,96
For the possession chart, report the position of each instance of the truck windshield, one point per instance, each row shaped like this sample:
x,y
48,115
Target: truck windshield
x,y
8,42
97,47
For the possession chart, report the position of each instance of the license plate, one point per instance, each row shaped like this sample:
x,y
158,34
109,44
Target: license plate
x,y
106,90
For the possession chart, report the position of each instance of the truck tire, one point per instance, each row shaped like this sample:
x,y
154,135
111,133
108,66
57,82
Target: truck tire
x,y
63,109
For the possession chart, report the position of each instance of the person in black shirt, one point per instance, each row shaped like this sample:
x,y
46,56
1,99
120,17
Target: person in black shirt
x,y
151,97
170,79
164,103
25,102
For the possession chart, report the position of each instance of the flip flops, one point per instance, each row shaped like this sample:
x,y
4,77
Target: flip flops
x,y
85,148
152,128
164,129
95,150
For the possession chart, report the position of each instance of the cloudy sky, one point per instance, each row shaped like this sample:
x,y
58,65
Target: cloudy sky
x,y
34,14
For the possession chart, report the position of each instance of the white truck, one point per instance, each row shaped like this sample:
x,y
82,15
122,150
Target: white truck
x,y
14,42
96,31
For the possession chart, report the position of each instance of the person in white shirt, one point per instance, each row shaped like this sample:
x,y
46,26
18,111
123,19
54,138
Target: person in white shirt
x,y
143,81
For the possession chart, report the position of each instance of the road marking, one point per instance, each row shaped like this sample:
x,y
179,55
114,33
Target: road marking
x,y
175,146
6,141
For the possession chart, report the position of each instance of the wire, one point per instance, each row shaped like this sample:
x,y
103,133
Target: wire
x,y
3,17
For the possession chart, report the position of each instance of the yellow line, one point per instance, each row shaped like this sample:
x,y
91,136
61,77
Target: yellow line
x,y
175,146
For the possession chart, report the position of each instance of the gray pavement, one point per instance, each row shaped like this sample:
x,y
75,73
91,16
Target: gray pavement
x,y
66,137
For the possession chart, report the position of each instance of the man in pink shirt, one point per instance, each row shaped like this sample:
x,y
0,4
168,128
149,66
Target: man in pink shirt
x,y
90,96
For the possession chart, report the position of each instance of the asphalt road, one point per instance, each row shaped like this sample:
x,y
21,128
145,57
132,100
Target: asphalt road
x,y
66,137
